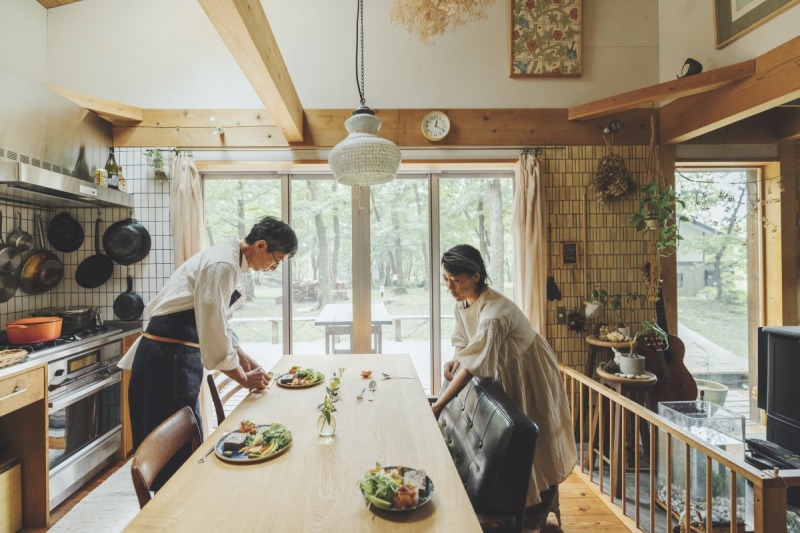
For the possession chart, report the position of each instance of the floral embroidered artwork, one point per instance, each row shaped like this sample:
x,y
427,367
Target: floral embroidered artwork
x,y
546,38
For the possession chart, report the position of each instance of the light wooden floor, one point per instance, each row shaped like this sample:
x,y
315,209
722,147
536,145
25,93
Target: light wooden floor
x,y
581,510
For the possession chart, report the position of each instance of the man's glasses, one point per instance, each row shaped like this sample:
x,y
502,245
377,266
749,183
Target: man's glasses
x,y
275,261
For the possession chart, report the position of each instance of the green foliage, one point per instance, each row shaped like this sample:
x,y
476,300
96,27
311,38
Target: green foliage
x,y
658,205
616,301
155,158
650,328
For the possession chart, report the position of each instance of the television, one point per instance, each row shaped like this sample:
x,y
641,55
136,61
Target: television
x,y
778,391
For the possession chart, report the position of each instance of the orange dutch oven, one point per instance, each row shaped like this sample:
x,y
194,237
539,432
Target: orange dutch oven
x,y
33,330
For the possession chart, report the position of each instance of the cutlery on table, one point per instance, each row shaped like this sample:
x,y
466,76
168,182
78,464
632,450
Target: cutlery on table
x,y
388,376
203,459
360,395
373,386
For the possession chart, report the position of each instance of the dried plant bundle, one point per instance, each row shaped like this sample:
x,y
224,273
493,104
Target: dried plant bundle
x,y
428,18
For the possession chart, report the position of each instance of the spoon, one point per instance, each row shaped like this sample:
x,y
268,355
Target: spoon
x,y
373,386
388,376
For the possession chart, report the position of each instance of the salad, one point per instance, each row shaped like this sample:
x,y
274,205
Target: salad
x,y
302,376
264,440
394,487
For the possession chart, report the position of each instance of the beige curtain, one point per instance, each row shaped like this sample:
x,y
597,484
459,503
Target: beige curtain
x,y
186,217
186,208
530,243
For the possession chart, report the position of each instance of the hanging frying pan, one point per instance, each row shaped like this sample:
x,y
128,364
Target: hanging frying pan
x,y
97,269
43,270
65,233
126,241
18,237
129,305
10,257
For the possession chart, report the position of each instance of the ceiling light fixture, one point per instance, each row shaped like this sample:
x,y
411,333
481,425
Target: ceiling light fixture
x,y
363,158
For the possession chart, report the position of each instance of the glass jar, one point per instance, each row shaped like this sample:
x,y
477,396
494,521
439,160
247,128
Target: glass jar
x,y
101,177
326,426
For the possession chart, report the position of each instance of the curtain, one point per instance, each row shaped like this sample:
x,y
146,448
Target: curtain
x,y
186,208
186,216
530,244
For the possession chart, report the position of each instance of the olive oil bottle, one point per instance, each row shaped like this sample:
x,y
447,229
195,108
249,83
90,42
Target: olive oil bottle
x,y
112,169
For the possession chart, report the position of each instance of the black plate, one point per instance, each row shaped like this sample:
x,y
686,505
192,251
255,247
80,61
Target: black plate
x,y
242,458
420,502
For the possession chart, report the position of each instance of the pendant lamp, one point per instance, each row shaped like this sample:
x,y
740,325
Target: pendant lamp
x,y
363,158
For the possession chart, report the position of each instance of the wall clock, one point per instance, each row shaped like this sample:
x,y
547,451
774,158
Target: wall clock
x,y
435,125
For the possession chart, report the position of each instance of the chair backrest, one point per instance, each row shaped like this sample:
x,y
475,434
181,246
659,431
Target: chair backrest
x,y
222,389
159,447
492,443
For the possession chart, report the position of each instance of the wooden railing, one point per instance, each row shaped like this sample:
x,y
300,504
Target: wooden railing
x,y
599,414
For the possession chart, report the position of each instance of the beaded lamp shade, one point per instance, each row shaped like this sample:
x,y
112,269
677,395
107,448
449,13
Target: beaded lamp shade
x,y
364,158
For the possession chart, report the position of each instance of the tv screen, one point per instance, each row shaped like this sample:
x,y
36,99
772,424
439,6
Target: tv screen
x,y
782,346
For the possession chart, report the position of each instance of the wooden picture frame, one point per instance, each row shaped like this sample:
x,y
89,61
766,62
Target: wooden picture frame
x,y
734,18
546,39
569,253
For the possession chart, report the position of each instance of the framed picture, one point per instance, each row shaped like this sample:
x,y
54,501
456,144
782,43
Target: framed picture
x,y
546,38
569,253
734,18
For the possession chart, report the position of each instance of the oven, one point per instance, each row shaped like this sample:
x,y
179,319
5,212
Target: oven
x,y
84,415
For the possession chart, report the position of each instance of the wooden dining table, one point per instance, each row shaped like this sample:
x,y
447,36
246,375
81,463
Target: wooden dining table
x,y
314,485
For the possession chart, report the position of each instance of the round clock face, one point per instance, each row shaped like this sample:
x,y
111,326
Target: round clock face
x,y
435,126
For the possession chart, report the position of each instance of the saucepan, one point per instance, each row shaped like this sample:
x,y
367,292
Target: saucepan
x,y
33,330
129,305
10,257
74,317
18,237
43,270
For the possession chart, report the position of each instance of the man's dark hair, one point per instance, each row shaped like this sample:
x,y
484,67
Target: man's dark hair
x,y
464,259
279,235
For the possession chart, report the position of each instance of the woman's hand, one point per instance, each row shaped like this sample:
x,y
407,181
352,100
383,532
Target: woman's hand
x,y
450,368
256,379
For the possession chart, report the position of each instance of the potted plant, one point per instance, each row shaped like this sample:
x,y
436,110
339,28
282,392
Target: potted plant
x,y
633,363
155,160
657,208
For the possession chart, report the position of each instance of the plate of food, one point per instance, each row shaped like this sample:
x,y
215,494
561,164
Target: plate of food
x,y
299,378
254,443
396,488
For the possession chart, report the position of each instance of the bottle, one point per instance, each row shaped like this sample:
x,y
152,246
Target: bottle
x,y
121,182
101,177
112,169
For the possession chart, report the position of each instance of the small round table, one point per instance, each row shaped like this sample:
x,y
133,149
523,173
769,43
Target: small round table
x,y
597,346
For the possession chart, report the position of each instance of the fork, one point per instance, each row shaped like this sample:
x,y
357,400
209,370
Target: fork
x,y
388,376
203,459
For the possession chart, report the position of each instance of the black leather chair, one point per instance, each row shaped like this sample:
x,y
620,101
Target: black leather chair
x,y
492,443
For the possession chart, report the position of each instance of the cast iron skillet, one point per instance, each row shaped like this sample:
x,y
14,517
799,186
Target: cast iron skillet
x,y
126,241
65,233
97,269
128,305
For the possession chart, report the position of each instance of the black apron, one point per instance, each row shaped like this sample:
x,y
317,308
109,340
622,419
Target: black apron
x,y
165,377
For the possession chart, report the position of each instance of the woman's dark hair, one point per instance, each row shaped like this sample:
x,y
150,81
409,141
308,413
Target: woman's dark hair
x,y
279,235
464,259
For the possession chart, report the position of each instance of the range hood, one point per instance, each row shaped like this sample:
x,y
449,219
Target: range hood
x,y
29,184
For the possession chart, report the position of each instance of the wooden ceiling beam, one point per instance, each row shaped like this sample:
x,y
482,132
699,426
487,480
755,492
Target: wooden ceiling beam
x,y
244,28
669,90
113,112
776,81
324,128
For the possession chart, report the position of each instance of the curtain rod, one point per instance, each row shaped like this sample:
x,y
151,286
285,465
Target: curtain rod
x,y
537,150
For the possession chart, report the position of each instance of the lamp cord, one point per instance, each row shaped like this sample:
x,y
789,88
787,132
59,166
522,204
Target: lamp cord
x,y
360,35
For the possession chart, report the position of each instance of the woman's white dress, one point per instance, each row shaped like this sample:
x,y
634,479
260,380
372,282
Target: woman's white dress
x,y
496,339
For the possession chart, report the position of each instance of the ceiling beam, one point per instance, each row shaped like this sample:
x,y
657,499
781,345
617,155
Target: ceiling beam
x,y
49,4
776,81
669,90
113,112
324,128
245,30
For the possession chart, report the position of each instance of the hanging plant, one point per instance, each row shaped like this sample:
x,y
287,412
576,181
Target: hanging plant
x,y
576,321
613,179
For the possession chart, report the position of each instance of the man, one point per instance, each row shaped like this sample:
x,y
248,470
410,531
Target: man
x,y
189,330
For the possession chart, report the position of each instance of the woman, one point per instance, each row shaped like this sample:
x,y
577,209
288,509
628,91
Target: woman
x,y
493,338
189,330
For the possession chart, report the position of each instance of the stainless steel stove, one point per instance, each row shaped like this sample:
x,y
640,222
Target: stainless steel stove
x,y
84,401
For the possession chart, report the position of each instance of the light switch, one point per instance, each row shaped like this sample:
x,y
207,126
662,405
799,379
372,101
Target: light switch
x,y
561,315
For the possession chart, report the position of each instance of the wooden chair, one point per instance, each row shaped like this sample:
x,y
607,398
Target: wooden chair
x,y
492,443
222,389
159,447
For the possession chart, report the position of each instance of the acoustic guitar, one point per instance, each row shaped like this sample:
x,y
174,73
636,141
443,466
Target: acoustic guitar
x,y
675,382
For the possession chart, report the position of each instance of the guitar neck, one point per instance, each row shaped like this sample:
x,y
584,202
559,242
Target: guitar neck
x,y
661,312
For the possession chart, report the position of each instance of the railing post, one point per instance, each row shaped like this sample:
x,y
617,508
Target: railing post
x,y
770,508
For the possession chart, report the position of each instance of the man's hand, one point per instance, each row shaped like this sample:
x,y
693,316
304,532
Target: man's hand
x,y
256,379
450,368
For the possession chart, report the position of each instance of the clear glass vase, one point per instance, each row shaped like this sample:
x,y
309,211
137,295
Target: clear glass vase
x,y
326,429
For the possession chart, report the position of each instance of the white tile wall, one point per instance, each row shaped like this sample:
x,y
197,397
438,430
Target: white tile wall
x,y
151,208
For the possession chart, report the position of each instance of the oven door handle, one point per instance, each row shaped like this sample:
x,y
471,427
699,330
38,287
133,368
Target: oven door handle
x,y
59,403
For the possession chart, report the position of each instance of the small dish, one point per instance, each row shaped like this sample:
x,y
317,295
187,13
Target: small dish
x,y
366,374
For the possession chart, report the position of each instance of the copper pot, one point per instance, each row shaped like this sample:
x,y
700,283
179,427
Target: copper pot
x,y
33,330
